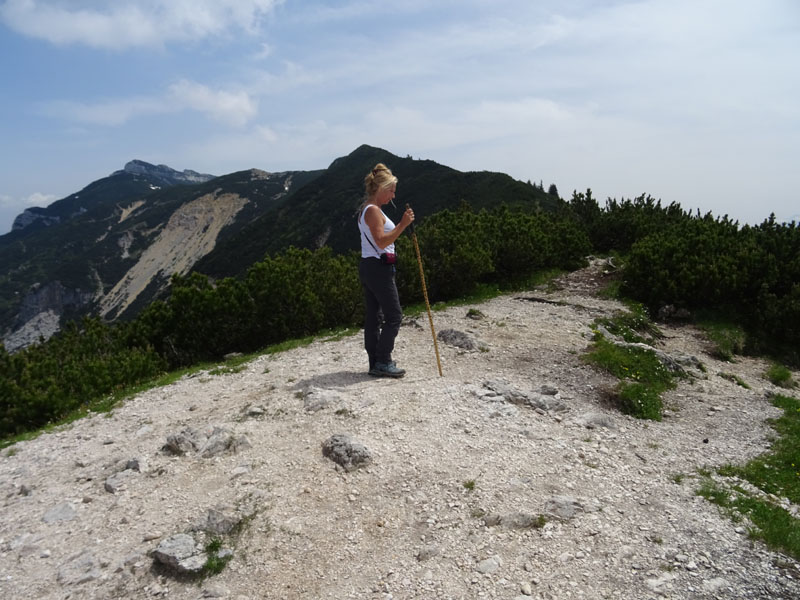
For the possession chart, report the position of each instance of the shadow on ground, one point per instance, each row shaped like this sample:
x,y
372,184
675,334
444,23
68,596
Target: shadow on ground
x,y
333,380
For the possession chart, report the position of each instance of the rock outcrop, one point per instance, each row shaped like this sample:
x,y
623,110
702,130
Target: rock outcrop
x,y
166,175
41,310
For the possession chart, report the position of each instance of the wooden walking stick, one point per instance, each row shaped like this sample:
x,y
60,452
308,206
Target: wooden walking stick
x,y
425,293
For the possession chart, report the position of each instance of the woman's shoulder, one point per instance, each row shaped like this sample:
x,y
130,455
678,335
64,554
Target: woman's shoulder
x,y
373,212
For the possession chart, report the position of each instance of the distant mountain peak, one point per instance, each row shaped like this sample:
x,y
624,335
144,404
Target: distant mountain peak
x,y
165,174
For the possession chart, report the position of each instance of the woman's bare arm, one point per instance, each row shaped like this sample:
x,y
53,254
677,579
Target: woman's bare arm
x,y
374,220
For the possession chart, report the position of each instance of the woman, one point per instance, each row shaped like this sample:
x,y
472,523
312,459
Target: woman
x,y
376,271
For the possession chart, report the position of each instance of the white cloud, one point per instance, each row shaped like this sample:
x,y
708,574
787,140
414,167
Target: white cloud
x,y
330,14
268,134
110,112
39,199
20,204
682,99
234,108
306,145
12,206
134,23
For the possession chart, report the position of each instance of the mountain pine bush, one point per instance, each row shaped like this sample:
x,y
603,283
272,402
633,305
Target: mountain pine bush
x,y
751,274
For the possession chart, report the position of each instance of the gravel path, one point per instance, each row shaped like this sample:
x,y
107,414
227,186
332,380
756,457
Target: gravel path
x,y
506,478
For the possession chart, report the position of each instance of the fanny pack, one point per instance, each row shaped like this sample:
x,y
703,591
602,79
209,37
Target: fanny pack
x,y
387,258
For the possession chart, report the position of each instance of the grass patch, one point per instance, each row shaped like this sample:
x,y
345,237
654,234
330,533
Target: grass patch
x,y
640,401
776,473
290,345
735,379
539,522
780,376
633,326
340,334
469,485
643,378
727,339
545,278
21,437
612,290
474,313
214,562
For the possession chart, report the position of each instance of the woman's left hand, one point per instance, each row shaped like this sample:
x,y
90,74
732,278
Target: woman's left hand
x,y
408,218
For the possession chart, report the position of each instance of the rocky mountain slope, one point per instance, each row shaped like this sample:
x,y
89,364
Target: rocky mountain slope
x,y
111,249
506,478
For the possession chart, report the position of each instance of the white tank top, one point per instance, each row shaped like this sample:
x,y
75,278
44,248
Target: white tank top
x,y
368,246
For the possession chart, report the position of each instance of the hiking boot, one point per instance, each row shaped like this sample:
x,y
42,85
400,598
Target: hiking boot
x,y
386,370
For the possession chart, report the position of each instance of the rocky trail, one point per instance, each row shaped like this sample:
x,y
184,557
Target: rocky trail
x,y
303,478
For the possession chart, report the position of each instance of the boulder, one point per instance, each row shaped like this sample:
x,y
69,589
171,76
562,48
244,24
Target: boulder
x,y
181,554
345,452
459,339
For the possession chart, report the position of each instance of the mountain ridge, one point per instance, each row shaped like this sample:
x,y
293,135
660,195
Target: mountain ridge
x,y
56,212
169,175
99,245
324,211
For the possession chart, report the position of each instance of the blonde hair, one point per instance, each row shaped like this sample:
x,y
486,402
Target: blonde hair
x,y
379,178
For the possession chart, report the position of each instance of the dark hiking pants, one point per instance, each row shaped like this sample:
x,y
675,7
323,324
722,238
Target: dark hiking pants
x,y
383,312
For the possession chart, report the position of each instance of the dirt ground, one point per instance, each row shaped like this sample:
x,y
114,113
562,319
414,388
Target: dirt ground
x,y
508,477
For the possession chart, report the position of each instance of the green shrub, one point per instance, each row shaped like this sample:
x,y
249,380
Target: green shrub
x,y
75,368
752,273
464,250
622,223
455,252
780,376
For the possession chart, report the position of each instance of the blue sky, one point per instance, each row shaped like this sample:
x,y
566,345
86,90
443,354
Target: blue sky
x,y
691,101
